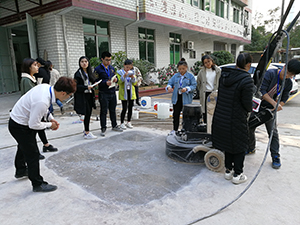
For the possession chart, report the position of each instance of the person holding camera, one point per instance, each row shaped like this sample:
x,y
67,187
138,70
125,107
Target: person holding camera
x,y
182,84
127,82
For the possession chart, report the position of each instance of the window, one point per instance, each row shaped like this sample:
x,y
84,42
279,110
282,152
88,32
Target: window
x,y
233,50
213,6
222,8
207,5
197,3
146,44
219,46
235,13
175,41
192,54
96,37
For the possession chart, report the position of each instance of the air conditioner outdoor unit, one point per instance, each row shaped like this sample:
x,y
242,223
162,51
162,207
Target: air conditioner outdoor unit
x,y
189,45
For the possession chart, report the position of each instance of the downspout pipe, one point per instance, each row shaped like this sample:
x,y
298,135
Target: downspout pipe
x,y
66,44
136,21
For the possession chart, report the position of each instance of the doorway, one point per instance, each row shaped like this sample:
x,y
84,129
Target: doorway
x,y
21,46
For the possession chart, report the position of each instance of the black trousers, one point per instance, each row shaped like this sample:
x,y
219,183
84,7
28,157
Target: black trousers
x,y
126,103
177,108
108,101
205,111
42,135
27,152
137,94
235,162
88,111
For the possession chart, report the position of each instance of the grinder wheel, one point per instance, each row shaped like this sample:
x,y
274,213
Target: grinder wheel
x,y
214,160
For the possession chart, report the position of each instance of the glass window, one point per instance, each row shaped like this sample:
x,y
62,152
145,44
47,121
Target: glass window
x,y
201,5
142,33
171,37
213,6
195,3
219,46
172,54
88,25
221,8
102,27
207,5
103,44
235,13
233,50
150,34
90,46
175,41
146,44
178,38
142,48
150,52
96,37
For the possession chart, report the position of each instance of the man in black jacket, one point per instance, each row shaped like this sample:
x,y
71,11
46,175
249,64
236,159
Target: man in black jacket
x,y
107,94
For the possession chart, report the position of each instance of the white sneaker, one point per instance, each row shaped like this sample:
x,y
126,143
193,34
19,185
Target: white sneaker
x,y
123,126
239,179
129,125
228,175
89,136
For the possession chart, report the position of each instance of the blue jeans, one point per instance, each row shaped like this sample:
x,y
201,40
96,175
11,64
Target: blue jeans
x,y
108,101
274,148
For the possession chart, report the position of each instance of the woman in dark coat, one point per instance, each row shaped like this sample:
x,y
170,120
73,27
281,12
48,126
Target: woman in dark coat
x,y
230,121
84,97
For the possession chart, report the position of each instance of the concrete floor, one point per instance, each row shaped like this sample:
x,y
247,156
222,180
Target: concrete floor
x,y
126,178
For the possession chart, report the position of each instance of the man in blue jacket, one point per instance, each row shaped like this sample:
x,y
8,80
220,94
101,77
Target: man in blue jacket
x,y
107,92
270,89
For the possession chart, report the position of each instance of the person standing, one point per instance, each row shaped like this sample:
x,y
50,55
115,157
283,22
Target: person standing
x,y
230,120
84,97
54,75
182,84
25,121
126,81
271,88
207,82
43,76
28,80
139,79
107,92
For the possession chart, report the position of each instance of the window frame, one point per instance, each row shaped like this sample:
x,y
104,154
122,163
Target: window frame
x,y
96,35
175,44
147,42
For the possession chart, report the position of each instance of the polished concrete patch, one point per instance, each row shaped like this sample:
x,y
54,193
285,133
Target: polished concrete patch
x,y
129,168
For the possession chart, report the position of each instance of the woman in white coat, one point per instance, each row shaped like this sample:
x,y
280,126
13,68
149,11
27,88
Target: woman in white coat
x,y
207,81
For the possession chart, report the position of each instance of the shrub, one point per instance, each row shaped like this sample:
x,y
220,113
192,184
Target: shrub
x,y
95,61
118,59
196,68
165,73
144,66
222,57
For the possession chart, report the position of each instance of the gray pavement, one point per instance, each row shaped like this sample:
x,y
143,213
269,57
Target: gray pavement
x,y
126,178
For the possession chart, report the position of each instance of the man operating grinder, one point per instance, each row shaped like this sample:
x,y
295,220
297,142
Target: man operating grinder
x,y
25,121
271,88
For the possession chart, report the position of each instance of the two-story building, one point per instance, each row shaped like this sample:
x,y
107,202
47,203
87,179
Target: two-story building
x,y
160,31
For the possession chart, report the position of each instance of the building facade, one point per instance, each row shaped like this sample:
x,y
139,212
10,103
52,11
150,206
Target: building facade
x,y
160,31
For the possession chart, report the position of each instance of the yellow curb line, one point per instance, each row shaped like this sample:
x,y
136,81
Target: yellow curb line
x,y
293,96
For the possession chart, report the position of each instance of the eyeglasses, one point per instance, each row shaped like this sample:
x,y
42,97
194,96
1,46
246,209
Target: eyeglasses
x,y
107,60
